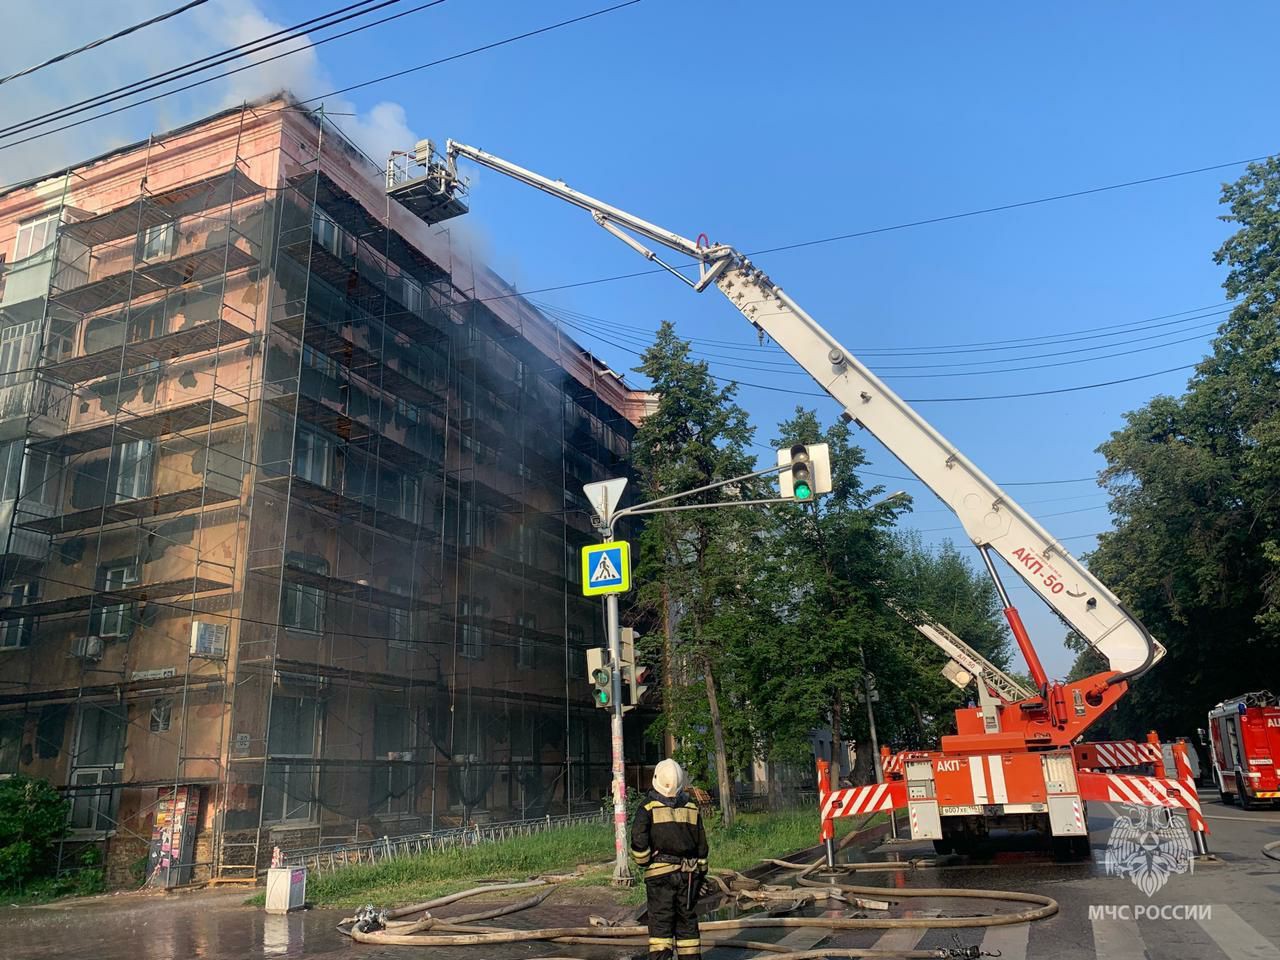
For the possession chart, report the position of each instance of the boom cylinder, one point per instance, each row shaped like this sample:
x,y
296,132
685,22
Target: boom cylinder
x,y
1038,676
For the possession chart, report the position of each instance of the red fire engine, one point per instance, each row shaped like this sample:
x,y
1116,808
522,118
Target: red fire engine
x,y
1244,737
1011,761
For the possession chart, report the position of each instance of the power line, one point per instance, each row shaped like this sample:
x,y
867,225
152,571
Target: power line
x,y
67,55
423,66
964,399
296,32
981,211
1066,336
792,371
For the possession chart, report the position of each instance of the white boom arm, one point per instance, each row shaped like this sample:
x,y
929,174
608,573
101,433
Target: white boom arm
x,y
992,520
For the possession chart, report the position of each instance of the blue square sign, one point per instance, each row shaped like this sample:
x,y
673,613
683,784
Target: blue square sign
x,y
606,568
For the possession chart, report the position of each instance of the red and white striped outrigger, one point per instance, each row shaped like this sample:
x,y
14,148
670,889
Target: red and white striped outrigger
x,y
994,783
1107,755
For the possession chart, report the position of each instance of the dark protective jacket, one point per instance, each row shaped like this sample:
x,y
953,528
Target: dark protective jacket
x,y
667,835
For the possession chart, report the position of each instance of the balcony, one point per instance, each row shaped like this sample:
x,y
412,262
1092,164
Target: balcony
x,y
196,338
144,508
25,283
349,508
24,546
32,406
76,603
157,209
172,420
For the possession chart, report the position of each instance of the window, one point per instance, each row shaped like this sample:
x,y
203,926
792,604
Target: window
x,y
303,605
409,498
161,714
322,364
313,454
392,788
289,789
157,242
116,620
41,479
98,758
131,467
399,622
16,634
526,641
573,560
11,728
471,612
577,652
527,544
327,234
10,468
18,345
35,235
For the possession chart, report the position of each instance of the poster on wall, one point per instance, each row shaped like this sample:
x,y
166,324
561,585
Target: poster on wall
x,y
173,836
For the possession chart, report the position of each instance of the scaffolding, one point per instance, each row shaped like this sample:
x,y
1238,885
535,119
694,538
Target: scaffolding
x,y
292,541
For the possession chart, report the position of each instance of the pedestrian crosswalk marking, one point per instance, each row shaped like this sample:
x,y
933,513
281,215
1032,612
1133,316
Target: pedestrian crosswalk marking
x,y
604,570
1010,940
1237,939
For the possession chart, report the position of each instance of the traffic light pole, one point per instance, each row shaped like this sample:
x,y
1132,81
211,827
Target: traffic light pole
x,y
603,497
621,868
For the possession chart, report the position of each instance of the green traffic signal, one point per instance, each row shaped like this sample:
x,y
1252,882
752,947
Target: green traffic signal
x,y
803,491
603,681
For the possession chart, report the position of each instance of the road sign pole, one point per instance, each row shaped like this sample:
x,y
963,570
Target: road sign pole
x,y
621,868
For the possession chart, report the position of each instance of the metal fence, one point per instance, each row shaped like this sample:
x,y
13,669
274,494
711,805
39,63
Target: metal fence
x,y
412,845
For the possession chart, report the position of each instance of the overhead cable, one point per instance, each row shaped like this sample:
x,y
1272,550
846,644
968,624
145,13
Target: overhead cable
x,y
67,55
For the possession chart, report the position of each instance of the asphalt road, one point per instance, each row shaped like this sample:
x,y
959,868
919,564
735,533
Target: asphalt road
x,y
1227,909
1235,900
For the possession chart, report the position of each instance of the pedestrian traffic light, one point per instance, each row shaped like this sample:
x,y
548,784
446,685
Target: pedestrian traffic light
x,y
806,471
600,677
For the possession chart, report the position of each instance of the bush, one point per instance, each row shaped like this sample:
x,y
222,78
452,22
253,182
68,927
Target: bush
x,y
33,818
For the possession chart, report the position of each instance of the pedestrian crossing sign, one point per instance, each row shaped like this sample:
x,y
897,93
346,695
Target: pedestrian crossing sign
x,y
606,568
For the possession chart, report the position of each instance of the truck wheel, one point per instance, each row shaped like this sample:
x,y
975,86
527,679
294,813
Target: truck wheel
x,y
1071,849
1246,802
944,847
1227,798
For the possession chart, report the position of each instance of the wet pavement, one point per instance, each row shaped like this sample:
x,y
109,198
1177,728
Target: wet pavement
x,y
1228,910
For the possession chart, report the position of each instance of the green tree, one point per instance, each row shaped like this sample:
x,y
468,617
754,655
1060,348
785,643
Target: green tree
x,y
1195,493
33,818
694,566
827,617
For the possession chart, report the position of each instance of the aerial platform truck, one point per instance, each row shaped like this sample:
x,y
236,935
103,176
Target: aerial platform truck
x,y
1011,761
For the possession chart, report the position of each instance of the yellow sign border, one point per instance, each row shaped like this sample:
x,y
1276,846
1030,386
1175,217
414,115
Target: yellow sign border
x,y
625,556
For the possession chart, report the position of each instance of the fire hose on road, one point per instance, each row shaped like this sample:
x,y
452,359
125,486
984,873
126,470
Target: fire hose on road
x,y
381,927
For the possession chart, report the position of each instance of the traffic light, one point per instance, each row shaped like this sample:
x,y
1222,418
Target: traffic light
x,y
806,471
635,678
641,677
601,678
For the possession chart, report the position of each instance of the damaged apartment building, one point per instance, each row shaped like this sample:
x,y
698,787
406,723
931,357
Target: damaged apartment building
x,y
291,507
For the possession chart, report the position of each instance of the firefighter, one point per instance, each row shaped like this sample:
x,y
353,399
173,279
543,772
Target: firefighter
x,y
669,843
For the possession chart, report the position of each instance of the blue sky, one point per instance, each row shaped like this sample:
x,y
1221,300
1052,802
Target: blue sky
x,y
765,124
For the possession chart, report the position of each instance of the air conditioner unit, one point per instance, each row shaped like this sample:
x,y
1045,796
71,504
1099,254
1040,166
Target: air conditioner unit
x,y
87,648
209,640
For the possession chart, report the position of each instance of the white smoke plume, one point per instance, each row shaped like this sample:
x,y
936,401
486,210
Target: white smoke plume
x,y
32,33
